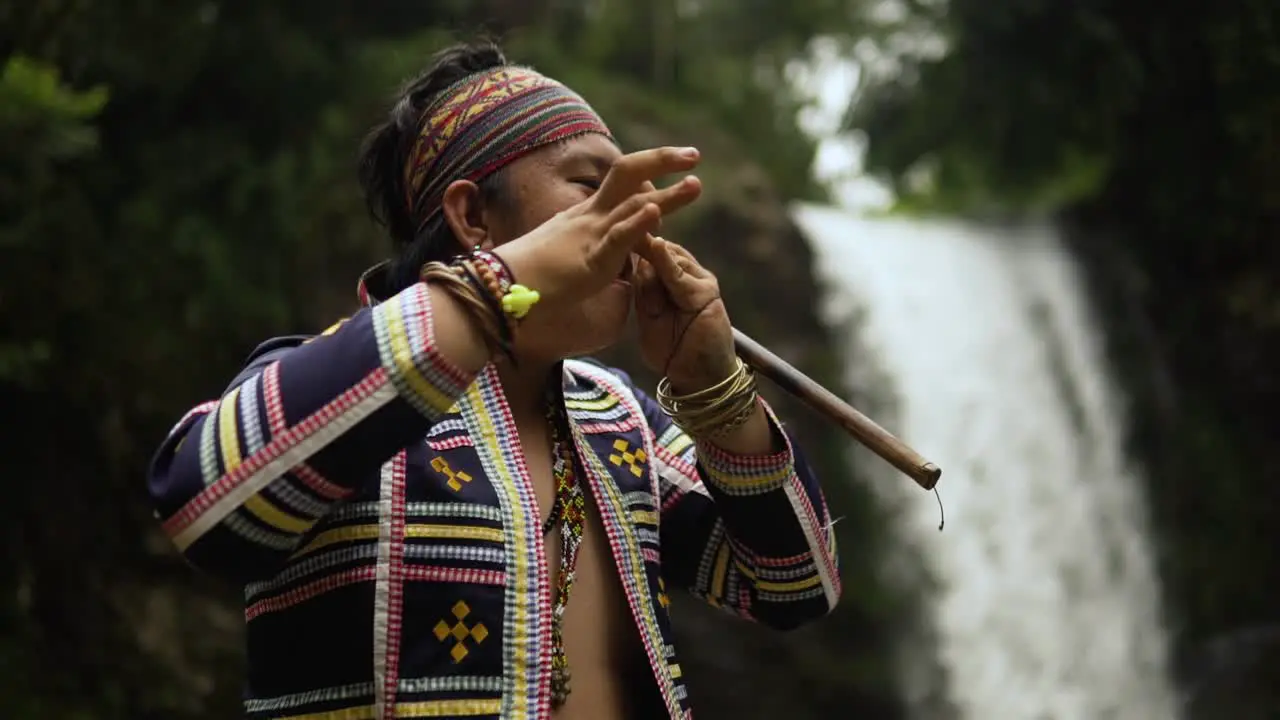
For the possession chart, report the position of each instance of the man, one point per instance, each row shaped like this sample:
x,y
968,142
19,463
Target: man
x,y
433,512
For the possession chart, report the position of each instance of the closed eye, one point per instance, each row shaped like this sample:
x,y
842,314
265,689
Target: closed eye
x,y
592,184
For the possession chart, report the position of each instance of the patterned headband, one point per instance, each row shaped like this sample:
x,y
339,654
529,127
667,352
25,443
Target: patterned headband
x,y
484,122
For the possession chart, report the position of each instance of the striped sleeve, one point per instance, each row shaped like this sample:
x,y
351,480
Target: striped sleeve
x,y
240,480
749,534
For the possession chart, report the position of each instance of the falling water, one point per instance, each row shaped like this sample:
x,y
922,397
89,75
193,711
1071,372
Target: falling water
x,y
1044,601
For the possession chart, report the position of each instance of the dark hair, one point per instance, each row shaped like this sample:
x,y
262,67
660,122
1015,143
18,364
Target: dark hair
x,y
386,149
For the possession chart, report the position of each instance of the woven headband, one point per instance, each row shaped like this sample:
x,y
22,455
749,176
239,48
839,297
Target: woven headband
x,y
484,122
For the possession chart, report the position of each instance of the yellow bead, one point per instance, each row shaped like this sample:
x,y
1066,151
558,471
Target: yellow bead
x,y
518,300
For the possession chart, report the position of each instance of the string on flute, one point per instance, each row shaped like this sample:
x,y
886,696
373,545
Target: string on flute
x,y
942,514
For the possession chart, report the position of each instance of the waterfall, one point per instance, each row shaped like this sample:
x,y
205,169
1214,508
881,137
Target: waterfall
x,y
1042,598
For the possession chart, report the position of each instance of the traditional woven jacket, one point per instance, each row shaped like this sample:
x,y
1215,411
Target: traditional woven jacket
x,y
374,502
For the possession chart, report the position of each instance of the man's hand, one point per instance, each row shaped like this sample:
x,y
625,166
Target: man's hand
x,y
685,334
684,327
578,252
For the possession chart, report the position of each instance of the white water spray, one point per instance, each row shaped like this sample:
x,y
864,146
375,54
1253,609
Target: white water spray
x,y
1046,605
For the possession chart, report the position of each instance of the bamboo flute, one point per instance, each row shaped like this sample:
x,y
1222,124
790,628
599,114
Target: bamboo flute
x,y
862,428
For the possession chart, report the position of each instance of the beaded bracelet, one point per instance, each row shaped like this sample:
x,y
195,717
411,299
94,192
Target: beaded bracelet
x,y
482,280
485,286
450,280
498,267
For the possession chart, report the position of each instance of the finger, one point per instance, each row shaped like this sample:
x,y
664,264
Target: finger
x,y
624,236
669,199
651,295
659,254
642,273
687,261
630,172
644,245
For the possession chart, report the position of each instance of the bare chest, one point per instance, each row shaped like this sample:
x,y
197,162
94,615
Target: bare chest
x,y
601,641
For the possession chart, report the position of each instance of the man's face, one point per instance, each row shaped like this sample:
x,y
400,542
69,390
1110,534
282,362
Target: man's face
x,y
540,185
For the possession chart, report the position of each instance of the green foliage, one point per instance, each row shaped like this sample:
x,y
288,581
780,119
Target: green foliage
x,y
50,120
1003,120
45,125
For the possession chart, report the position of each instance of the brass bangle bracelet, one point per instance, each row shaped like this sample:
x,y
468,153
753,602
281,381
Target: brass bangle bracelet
x,y
713,411
664,386
720,420
735,422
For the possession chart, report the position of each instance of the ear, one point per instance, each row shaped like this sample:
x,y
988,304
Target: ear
x,y
463,209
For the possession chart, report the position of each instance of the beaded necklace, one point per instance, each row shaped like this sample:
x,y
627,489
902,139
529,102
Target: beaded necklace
x,y
569,510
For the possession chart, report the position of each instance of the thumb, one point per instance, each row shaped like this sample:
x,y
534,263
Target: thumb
x,y
665,262
651,294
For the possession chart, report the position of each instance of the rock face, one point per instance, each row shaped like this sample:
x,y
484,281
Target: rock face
x,y
1235,675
